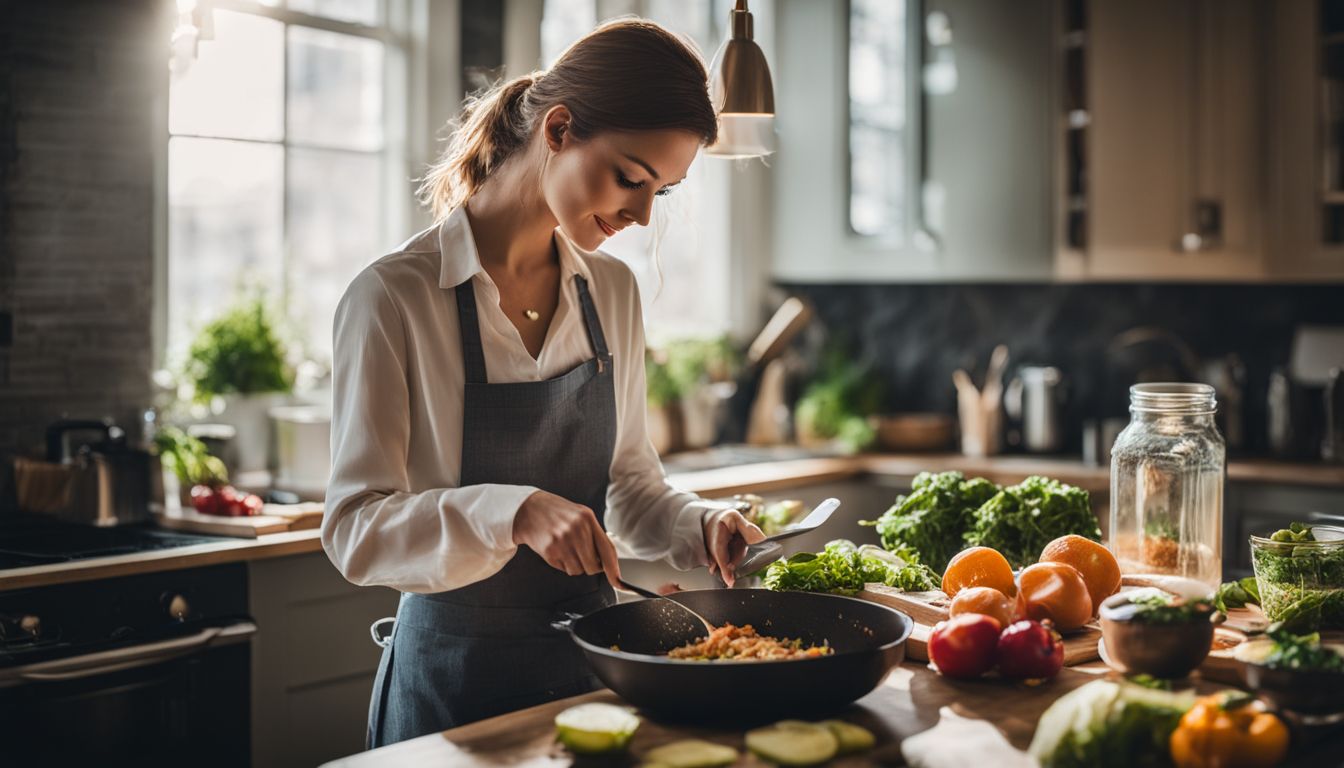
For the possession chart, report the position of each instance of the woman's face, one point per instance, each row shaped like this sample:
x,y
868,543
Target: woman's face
x,y
598,186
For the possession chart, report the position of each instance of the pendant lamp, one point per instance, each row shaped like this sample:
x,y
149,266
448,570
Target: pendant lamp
x,y
742,92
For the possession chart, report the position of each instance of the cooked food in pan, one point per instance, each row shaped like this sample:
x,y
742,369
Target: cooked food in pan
x,y
744,643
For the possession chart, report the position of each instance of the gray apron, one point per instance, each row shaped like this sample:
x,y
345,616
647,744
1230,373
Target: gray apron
x,y
488,648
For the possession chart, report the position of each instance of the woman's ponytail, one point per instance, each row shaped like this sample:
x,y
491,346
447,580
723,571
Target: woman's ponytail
x,y
492,126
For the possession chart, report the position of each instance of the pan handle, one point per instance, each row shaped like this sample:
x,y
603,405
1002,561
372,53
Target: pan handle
x,y
567,623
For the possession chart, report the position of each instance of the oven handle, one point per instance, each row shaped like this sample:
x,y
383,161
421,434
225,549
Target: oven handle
x,y
117,659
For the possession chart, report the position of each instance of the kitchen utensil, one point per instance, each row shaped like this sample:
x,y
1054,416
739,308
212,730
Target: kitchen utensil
x,y
1034,399
650,594
624,644
980,411
788,320
767,550
101,482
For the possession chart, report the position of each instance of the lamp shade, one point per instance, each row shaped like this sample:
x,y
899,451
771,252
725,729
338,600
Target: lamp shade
x,y
742,93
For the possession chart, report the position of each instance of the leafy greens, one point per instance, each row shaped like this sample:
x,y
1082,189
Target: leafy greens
x,y
844,568
1021,519
929,524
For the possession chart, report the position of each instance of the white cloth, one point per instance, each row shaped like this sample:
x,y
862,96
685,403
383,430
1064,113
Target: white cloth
x,y
396,515
963,742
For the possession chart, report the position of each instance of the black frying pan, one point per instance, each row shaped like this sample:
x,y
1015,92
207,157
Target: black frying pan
x,y
868,640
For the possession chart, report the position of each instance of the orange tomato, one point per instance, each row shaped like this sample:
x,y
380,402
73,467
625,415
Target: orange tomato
x,y
978,567
1095,563
1054,591
986,601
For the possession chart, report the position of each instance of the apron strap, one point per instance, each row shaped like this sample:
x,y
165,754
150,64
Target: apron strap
x,y
473,355
591,321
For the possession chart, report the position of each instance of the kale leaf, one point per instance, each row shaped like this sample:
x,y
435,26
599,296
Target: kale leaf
x,y
928,525
1021,519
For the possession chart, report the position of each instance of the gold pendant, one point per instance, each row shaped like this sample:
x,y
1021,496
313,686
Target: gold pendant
x,y
531,314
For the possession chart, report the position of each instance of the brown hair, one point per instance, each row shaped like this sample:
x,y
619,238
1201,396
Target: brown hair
x,y
626,75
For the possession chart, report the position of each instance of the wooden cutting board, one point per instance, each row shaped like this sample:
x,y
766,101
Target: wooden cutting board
x,y
275,518
929,608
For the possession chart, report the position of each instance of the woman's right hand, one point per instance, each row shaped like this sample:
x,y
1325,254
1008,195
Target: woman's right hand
x,y
566,535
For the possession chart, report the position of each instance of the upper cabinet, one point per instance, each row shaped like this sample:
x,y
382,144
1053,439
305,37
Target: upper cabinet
x,y
1036,140
914,141
1306,159
1161,140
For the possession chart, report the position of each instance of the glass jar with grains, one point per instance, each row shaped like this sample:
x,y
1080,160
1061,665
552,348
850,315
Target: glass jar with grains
x,y
1167,472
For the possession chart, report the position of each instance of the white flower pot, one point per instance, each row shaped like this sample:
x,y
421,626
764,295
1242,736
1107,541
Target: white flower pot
x,y
250,416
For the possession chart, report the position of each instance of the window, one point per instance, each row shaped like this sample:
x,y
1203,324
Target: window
x,y
878,147
278,156
681,259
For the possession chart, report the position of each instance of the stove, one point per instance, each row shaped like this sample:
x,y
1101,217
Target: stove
x,y
29,541
151,668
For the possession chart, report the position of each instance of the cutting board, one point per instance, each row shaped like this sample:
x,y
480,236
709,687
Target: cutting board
x,y
274,518
929,608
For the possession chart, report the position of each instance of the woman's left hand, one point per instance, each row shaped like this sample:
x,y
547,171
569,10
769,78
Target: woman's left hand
x,y
727,534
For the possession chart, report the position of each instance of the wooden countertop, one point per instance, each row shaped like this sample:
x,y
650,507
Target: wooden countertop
x,y
763,478
906,703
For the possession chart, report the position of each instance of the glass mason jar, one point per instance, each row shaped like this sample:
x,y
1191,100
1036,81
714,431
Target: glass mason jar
x,y
1167,473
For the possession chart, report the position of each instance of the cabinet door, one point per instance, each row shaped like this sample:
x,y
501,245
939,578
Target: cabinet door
x,y
1174,92
1301,248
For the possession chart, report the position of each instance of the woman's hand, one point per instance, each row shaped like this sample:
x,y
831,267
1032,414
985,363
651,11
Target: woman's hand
x,y
727,534
566,535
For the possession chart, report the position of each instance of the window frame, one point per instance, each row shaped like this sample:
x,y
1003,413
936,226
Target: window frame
x,y
402,75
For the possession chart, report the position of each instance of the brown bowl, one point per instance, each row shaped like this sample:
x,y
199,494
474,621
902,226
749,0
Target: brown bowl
x,y
1168,651
913,431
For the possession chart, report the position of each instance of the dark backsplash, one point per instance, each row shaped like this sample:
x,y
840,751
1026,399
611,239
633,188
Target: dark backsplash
x,y
914,336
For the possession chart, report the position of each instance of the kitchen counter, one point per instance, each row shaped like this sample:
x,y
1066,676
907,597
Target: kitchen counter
x,y
906,703
765,478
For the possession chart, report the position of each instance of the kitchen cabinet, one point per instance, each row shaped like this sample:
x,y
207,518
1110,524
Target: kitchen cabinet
x,y
1306,106
1161,136
313,661
978,203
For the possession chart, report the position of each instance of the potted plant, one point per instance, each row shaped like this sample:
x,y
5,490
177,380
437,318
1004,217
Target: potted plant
x,y
237,362
684,401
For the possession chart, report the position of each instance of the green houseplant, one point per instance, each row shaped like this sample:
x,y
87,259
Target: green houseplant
x,y
237,362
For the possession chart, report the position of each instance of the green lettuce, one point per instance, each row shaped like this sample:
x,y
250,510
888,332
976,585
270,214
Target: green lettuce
x,y
843,568
1021,519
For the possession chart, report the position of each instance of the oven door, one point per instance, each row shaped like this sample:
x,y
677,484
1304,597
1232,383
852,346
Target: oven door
x,y
176,702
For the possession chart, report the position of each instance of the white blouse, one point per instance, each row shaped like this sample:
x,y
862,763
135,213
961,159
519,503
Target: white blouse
x,y
395,514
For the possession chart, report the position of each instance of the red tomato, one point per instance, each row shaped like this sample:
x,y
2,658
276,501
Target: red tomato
x,y
206,500
1030,650
964,645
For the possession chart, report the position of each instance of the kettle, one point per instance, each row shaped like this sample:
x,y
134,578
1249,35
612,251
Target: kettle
x,y
103,482
1033,400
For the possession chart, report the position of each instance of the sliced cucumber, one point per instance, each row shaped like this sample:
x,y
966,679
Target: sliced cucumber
x,y
793,742
852,738
690,753
594,729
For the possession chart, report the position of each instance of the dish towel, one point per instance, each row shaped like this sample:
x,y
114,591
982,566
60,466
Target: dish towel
x,y
958,741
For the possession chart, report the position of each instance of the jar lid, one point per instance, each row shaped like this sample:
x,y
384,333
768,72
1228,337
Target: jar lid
x,y
1175,398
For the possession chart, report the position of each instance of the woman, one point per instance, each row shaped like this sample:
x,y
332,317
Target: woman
x,y
489,394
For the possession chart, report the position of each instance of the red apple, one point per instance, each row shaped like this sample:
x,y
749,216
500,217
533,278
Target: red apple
x,y
964,645
1029,650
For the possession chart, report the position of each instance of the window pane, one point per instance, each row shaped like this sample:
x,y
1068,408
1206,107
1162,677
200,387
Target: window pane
x,y
335,89
358,11
224,228
877,92
235,88
335,225
563,22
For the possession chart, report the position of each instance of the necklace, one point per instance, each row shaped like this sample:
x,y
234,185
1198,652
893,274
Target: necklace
x,y
531,314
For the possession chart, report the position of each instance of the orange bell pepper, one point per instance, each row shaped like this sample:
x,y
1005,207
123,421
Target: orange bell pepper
x,y
1229,730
